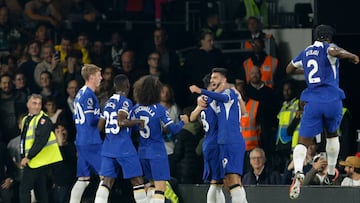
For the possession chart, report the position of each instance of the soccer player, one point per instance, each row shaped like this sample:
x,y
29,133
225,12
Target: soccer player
x,y
323,110
88,141
230,140
118,150
152,152
207,112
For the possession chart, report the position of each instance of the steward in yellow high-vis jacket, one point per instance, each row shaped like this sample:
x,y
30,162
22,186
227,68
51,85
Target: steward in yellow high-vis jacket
x,y
38,150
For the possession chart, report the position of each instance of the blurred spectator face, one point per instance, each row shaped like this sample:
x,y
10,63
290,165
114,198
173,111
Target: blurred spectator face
x,y
45,80
50,107
127,59
253,25
47,54
213,21
255,75
108,74
116,40
19,81
5,84
41,33
72,88
165,95
34,49
4,16
239,86
82,41
207,43
257,159
159,38
153,60
98,47
287,92
65,45
61,134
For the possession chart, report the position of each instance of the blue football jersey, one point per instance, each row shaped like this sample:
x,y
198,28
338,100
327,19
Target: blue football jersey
x,y
228,112
151,140
321,73
86,117
209,121
117,141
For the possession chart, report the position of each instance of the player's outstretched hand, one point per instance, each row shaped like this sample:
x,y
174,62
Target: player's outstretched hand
x,y
195,89
355,60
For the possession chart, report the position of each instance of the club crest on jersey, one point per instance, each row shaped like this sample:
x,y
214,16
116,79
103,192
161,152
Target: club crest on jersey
x,y
110,105
126,105
42,121
224,162
90,103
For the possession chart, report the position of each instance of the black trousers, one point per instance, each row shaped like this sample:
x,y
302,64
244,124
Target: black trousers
x,y
34,178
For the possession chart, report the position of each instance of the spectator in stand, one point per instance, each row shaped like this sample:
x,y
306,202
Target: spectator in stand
x,y
167,99
97,53
8,32
289,172
352,168
82,44
267,64
55,114
285,116
73,66
250,126
318,173
266,115
20,84
129,67
32,54
47,88
7,175
187,165
12,104
80,13
41,11
63,49
105,90
43,34
254,27
260,173
15,155
212,24
153,63
7,64
63,173
168,63
113,54
200,62
50,63
71,89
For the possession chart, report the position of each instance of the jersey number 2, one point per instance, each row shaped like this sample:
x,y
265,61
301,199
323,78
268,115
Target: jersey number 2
x,y
315,68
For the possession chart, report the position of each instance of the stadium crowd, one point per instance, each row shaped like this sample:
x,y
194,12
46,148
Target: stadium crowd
x,y
41,54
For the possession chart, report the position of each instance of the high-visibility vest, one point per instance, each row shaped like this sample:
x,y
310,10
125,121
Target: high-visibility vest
x,y
250,129
253,10
285,116
170,194
267,69
49,154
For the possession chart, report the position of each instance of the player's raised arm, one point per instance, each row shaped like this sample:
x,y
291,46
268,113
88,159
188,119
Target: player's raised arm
x,y
343,54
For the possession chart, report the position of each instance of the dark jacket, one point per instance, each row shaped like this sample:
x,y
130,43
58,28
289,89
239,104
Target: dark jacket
x,y
267,177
